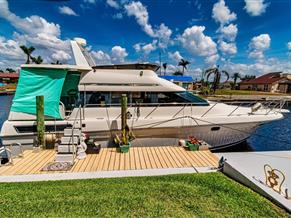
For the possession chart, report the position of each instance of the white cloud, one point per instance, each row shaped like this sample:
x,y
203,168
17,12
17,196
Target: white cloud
x,y
35,31
164,34
113,4
221,13
255,7
146,48
259,68
289,48
67,11
139,11
176,56
194,40
9,49
117,16
137,47
258,45
118,54
227,48
211,60
61,56
229,32
171,68
101,57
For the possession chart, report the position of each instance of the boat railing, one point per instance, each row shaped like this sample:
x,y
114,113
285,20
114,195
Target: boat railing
x,y
148,104
267,105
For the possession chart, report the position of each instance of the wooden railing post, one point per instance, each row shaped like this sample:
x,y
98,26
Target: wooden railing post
x,y
40,121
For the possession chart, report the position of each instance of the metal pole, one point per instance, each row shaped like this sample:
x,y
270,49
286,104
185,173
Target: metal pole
x,y
40,121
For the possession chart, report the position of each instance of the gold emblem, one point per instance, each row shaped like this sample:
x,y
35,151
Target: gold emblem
x,y
274,178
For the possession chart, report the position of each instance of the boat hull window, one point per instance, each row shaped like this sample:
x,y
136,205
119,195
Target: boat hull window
x,y
215,128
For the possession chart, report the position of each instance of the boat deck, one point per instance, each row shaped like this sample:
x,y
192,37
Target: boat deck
x,y
109,159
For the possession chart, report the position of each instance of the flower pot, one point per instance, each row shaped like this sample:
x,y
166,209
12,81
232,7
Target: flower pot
x,y
124,148
192,147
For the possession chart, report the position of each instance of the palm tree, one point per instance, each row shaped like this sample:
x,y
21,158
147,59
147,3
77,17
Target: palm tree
x,y
235,77
184,64
37,60
28,52
217,76
165,67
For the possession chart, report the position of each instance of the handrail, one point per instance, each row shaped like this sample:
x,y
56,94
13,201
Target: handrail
x,y
4,149
20,147
266,104
73,127
209,110
150,104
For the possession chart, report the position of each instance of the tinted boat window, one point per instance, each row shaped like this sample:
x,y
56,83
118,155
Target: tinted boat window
x,y
192,98
93,99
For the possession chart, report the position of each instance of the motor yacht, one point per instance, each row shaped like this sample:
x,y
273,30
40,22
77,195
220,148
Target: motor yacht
x,y
159,112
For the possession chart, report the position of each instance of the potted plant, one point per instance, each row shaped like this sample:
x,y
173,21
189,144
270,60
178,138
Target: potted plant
x,y
193,144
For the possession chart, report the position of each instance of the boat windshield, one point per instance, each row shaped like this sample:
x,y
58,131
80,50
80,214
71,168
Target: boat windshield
x,y
93,99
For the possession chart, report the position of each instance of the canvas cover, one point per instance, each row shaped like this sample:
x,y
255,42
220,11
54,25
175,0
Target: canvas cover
x,y
35,82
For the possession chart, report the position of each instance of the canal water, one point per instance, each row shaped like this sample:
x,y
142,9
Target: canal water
x,y
273,136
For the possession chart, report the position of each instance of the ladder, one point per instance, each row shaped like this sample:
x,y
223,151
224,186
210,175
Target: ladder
x,y
72,143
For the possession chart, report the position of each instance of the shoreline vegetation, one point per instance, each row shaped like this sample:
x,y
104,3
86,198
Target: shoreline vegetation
x,y
184,195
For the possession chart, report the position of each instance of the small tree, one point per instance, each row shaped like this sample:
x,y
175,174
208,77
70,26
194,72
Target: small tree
x,y
165,65
217,76
235,77
10,70
28,52
184,64
37,60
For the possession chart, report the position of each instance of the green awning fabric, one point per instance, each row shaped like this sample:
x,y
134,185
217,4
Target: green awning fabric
x,y
71,84
34,82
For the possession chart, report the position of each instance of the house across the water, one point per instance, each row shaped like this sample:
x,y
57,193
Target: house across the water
x,y
9,78
184,81
270,82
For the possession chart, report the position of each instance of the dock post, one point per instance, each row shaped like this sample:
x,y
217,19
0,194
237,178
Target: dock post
x,y
123,119
40,121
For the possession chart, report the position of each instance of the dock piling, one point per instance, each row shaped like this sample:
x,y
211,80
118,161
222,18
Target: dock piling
x,y
40,121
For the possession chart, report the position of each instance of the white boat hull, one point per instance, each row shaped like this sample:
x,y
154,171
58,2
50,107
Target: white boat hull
x,y
222,136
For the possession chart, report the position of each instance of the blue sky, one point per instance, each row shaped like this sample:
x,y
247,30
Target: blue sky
x,y
246,36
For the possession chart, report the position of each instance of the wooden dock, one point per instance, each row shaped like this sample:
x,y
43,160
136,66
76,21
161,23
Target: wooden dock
x,y
110,159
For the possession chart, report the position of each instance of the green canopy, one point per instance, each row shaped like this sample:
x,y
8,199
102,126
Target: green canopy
x,y
37,81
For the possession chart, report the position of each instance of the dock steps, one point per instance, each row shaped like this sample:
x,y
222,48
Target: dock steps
x,y
67,149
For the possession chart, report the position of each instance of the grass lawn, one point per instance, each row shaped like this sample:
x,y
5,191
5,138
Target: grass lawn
x,y
243,92
191,195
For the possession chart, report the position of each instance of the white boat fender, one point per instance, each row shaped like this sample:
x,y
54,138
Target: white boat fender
x,y
84,145
81,154
182,143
